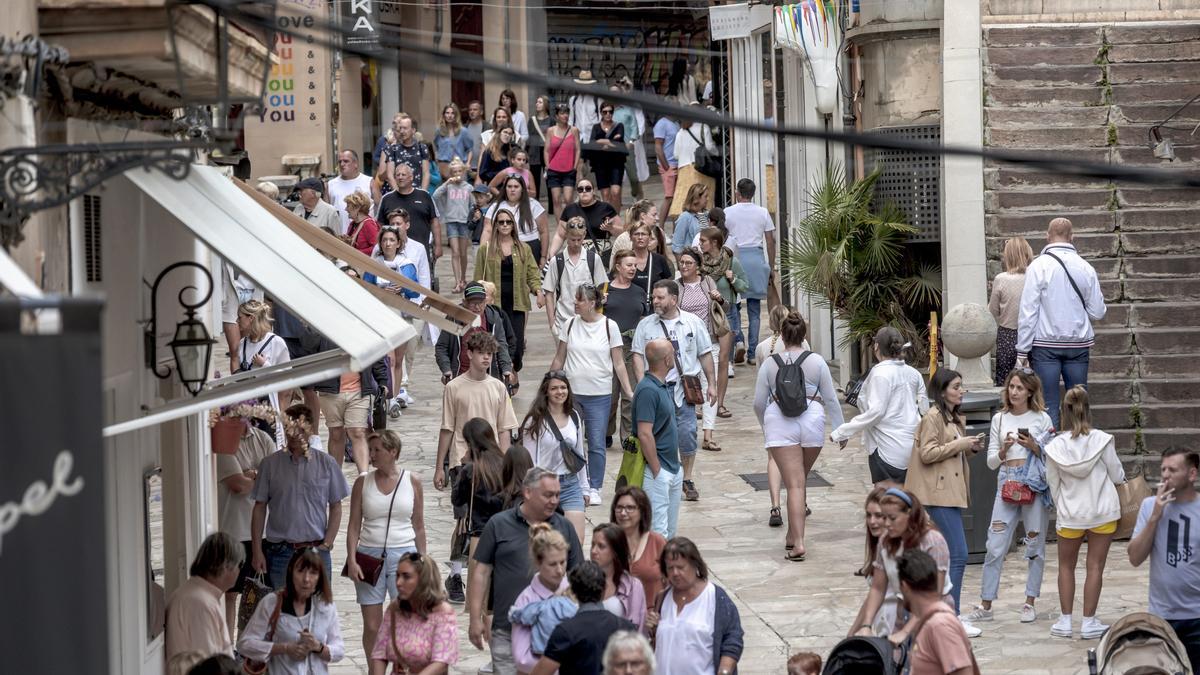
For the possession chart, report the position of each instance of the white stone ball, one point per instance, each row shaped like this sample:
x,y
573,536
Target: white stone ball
x,y
969,331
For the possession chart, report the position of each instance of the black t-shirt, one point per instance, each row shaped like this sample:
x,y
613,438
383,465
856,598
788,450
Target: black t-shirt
x,y
421,212
626,306
411,155
595,215
577,644
657,269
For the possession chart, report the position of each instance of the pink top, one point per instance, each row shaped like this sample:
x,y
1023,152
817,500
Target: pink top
x,y
419,641
522,635
561,158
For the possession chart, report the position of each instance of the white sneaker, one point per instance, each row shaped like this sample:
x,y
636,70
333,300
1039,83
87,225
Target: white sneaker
x,y
977,615
403,395
1091,628
1028,613
972,631
596,501
731,370
486,668
1062,627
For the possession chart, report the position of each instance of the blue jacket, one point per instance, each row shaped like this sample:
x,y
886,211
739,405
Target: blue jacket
x,y
543,617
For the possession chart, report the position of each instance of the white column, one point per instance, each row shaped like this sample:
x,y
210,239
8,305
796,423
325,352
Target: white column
x,y
389,94
745,83
964,260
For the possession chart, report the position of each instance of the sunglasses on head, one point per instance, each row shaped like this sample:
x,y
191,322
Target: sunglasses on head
x,y
412,556
1023,370
555,375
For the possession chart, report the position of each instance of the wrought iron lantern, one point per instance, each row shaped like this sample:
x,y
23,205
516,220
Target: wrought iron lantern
x,y
192,345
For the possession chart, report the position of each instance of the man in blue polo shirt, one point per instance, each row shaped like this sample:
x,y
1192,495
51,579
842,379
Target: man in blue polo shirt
x,y
654,417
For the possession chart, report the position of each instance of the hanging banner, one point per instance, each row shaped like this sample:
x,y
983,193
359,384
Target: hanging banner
x,y
727,22
361,23
814,29
53,557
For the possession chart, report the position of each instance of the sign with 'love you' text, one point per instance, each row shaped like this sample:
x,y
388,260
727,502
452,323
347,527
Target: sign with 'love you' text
x,y
53,555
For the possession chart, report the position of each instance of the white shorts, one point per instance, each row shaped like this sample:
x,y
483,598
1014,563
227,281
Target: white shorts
x,y
806,431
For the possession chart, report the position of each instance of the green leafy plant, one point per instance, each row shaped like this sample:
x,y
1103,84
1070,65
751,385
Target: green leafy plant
x,y
852,254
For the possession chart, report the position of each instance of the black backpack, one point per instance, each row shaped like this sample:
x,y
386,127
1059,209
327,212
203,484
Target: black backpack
x,y
789,392
560,261
865,656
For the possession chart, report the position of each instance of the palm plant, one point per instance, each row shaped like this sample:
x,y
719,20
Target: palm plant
x,y
852,254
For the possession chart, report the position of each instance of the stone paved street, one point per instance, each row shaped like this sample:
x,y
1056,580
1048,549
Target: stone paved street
x,y
785,607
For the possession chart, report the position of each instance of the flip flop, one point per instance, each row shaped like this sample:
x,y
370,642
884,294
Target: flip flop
x,y
791,556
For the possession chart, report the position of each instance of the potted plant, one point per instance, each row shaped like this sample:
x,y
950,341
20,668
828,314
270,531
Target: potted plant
x,y
851,253
228,423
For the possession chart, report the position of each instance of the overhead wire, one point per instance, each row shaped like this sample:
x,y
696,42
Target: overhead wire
x,y
472,62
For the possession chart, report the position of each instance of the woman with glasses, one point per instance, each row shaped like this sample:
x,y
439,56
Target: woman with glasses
x,y
419,633
590,351
602,221
1015,443
511,265
386,521
698,294
296,631
631,512
646,240
554,404
530,217
561,158
608,158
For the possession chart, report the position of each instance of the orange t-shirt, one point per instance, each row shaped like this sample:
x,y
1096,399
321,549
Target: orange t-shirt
x,y
351,383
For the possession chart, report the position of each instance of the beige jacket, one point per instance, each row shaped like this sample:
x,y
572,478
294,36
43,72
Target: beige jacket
x,y
937,471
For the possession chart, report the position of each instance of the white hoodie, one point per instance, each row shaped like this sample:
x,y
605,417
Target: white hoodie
x,y
1081,473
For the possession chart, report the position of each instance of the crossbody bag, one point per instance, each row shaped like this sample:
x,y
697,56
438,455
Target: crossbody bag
x,y
1070,279
693,392
370,565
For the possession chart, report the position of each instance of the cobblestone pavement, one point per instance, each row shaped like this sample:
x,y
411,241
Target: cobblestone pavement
x,y
785,607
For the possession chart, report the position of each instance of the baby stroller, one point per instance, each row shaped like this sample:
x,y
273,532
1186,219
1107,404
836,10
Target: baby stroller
x,y
1139,644
865,656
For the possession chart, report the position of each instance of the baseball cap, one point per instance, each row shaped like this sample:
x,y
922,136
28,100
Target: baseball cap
x,y
474,290
481,189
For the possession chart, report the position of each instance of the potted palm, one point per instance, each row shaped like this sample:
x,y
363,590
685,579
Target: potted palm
x,y
228,423
852,254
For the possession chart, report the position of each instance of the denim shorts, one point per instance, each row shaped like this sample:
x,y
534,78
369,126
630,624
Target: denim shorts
x,y
453,230
570,496
385,585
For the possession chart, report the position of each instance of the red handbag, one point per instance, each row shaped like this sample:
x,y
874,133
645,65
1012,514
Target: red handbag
x,y
1016,492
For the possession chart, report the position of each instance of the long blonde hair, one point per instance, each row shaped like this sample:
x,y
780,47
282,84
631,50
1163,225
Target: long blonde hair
x,y
1076,413
260,313
446,130
1017,255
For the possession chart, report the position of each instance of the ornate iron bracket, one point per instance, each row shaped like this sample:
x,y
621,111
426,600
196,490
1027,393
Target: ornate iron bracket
x,y
32,179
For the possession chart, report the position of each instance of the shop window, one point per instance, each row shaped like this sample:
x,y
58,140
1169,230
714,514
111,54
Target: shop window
x,y
911,180
156,601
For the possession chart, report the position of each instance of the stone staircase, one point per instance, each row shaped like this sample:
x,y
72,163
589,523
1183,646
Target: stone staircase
x,y
1093,92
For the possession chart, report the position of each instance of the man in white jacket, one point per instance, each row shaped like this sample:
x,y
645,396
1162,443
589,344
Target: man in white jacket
x,y
1061,299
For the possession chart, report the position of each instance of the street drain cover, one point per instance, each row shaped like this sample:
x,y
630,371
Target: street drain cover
x,y
758,481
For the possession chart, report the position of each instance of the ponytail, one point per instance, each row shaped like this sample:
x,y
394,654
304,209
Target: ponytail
x,y
1076,413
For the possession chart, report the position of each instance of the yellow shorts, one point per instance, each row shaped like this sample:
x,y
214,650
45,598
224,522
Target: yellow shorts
x,y
1072,533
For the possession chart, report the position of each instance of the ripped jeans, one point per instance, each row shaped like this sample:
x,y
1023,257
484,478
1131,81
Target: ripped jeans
x,y
1000,532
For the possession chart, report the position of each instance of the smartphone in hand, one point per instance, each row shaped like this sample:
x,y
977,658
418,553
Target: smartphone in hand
x,y
1023,432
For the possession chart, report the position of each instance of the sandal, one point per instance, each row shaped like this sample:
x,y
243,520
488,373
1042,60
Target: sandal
x,y
711,446
723,412
792,556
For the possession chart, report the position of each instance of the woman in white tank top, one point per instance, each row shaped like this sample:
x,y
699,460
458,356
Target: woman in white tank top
x,y
386,521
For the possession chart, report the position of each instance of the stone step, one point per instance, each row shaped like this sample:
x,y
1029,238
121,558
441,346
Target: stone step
x,y
1156,341
1133,196
1166,365
1049,199
1049,55
1186,157
1047,116
1089,245
1126,73
1167,241
1102,366
1113,341
1137,135
1146,92
1033,223
1020,96
1010,176
1152,113
1154,442
1137,53
1044,36
1063,74
1109,391
1162,266
1108,416
1169,390
1162,314
1119,315
1156,220
1160,290
1141,33
1062,138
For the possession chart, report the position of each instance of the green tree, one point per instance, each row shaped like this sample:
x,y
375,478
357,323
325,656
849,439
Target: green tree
x,y
852,254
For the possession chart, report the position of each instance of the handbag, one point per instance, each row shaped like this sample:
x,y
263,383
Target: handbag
x,y
460,538
573,462
1131,493
1016,492
633,463
853,389
704,161
370,565
379,413
718,320
253,666
693,392
254,589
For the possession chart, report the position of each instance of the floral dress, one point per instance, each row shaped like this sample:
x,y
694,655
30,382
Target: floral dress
x,y
412,643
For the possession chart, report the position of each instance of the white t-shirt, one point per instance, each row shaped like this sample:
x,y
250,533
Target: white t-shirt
x,y
340,188
747,223
685,147
274,350
543,447
589,354
236,509
535,209
575,274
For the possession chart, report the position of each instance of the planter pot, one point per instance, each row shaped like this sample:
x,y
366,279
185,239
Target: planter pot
x,y
226,435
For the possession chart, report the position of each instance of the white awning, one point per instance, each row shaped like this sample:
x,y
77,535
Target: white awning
x,y
252,239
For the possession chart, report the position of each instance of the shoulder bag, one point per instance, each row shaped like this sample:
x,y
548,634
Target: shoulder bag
x,y
252,666
693,392
370,565
633,463
573,462
1015,491
460,539
704,161
718,320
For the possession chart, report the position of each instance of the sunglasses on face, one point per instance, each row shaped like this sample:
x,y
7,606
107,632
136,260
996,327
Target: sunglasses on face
x,y
606,112
585,188
505,221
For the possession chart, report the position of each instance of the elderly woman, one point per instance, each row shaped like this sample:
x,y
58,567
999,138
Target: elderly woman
x,y
387,520
419,633
363,232
696,626
698,294
296,631
628,653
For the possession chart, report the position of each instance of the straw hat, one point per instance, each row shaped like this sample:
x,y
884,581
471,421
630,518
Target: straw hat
x,y
585,77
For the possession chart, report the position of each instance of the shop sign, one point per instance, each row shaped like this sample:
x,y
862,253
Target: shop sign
x,y
727,22
53,558
361,23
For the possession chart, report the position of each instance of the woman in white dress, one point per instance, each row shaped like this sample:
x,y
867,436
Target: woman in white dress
x,y
795,441
260,348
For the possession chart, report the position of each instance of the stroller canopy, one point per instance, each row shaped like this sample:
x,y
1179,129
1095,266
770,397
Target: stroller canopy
x,y
1141,644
